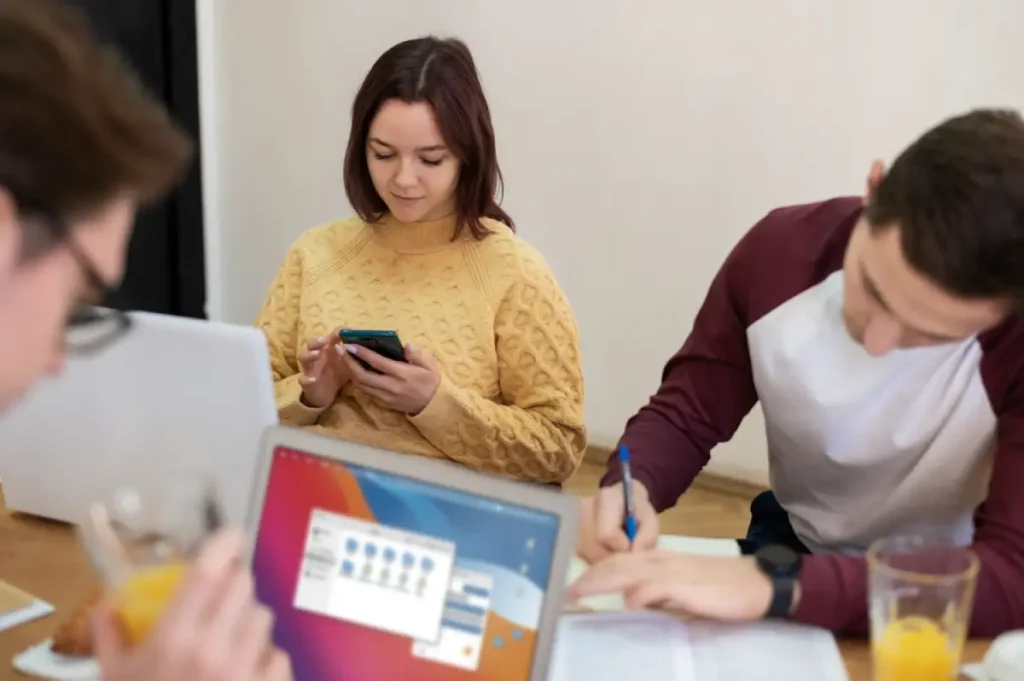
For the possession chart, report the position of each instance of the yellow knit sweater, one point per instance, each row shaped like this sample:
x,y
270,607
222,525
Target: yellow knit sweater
x,y
510,399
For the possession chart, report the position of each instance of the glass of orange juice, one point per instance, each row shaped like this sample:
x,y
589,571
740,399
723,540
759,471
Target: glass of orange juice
x,y
141,540
921,592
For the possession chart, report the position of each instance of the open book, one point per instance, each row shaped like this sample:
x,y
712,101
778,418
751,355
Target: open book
x,y
614,644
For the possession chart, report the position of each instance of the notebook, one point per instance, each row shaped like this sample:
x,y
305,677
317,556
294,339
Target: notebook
x,y
609,642
611,646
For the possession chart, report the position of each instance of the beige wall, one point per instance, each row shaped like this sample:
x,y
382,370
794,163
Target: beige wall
x,y
639,138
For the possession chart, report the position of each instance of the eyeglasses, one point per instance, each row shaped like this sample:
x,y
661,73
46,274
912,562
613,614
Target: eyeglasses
x,y
90,327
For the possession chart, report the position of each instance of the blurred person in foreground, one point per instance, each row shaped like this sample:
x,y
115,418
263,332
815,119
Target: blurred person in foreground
x,y
82,145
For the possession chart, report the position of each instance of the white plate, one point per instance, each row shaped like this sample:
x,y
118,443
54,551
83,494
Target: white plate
x,y
40,661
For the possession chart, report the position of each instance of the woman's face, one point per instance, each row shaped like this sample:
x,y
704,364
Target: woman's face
x,y
412,168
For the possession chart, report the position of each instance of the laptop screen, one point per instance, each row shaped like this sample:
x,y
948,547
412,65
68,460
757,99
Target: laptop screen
x,y
376,576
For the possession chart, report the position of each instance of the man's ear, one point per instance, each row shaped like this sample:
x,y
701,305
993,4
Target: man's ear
x,y
875,175
10,234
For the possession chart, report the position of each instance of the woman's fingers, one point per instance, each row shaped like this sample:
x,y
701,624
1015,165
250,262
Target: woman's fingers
x,y
313,350
313,358
316,343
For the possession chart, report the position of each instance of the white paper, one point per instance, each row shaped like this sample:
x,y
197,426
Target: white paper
x,y
620,647
657,647
40,661
1003,661
765,651
975,672
700,546
30,612
692,545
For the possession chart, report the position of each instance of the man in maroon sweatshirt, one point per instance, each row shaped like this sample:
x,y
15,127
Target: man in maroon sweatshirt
x,y
882,338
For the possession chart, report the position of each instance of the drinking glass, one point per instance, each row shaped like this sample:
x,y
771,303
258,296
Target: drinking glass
x,y
141,540
921,591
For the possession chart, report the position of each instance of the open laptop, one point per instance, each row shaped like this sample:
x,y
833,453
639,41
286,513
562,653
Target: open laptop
x,y
174,394
388,566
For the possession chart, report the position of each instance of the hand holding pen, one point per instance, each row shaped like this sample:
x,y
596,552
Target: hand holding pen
x,y
618,518
629,520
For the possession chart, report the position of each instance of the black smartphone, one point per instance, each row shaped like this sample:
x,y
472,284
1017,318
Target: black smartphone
x,y
384,343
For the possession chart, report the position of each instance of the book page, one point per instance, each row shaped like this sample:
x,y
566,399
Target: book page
x,y
765,651
616,646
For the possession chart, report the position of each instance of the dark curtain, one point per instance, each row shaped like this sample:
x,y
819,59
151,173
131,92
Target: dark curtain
x,y
165,270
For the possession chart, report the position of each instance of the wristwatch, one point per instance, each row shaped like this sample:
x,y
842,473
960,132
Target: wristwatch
x,y
782,566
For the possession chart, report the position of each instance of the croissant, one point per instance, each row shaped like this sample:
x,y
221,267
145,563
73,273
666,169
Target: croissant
x,y
74,637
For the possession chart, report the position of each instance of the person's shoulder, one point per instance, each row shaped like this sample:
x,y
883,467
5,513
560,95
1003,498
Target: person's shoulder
x,y
509,255
790,250
331,235
325,240
807,231
519,279
1002,365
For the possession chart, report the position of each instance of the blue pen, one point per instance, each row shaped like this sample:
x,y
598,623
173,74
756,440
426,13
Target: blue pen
x,y
627,493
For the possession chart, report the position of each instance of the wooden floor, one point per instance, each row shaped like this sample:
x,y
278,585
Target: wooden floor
x,y
700,512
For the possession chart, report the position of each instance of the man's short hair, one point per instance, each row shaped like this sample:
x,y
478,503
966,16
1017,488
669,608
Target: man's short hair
x,y
77,128
957,197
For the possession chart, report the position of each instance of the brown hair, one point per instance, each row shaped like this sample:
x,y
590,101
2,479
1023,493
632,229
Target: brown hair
x,y
957,196
77,129
441,73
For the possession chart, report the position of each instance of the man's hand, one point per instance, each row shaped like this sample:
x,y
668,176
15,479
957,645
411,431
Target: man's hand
x,y
708,587
407,386
214,630
601,532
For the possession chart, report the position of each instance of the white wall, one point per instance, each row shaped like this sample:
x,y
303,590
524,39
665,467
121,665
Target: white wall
x,y
639,138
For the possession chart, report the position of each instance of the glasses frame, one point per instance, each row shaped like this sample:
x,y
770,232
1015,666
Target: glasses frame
x,y
85,314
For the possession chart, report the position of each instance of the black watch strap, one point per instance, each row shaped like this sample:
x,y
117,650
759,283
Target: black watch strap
x,y
783,590
781,565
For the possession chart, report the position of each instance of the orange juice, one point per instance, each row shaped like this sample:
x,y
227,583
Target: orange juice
x,y
914,649
143,598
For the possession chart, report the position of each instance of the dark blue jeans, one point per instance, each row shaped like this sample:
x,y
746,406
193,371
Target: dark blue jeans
x,y
769,524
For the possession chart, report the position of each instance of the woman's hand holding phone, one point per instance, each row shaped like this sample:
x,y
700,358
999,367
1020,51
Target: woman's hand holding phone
x,y
406,386
325,370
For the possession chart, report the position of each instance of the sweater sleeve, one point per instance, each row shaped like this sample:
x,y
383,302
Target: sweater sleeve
x,y
279,320
535,430
707,388
834,588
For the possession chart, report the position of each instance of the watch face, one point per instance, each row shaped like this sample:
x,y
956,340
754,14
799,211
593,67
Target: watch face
x,y
778,559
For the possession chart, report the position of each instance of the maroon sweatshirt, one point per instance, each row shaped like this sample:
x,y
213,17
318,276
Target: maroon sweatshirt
x,y
859,447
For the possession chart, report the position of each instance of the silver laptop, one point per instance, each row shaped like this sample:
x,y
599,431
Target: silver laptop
x,y
380,565
173,395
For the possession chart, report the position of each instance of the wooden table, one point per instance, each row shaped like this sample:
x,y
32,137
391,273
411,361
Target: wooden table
x,y
44,558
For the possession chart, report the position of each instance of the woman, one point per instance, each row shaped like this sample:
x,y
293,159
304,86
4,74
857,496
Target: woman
x,y
491,377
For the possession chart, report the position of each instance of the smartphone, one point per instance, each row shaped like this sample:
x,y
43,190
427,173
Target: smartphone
x,y
384,343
